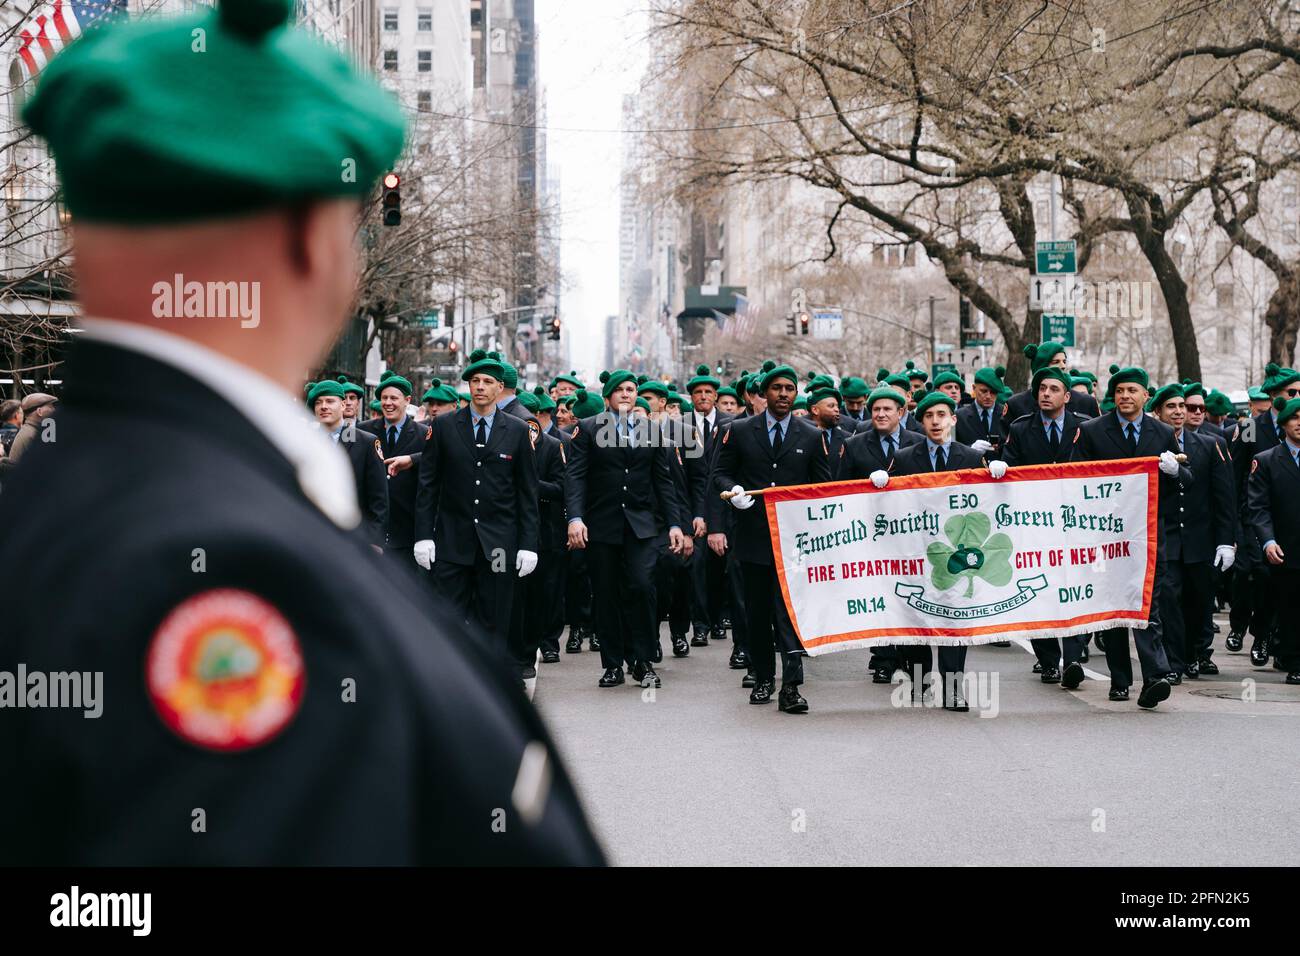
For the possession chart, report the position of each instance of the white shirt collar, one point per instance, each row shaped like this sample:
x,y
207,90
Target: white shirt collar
x,y
323,471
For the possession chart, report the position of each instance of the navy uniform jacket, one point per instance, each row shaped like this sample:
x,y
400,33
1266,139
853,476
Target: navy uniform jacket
x,y
1103,439
401,486
609,484
1272,493
365,451
1022,403
1245,447
862,454
1027,441
516,408
1206,517
472,498
970,427
915,459
699,462
836,439
746,459
552,531
409,772
912,425
1207,429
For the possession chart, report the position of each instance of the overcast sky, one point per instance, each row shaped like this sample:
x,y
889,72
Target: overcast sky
x,y
592,52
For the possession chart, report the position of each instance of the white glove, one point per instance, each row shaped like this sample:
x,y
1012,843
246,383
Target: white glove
x,y
879,478
423,551
981,446
525,562
997,467
1224,555
1168,463
739,499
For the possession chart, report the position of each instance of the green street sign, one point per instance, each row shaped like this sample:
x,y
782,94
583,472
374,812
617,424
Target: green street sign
x,y
1056,258
976,343
938,368
1058,328
427,320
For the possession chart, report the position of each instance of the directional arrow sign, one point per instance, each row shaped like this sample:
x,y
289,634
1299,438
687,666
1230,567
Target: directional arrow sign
x,y
1056,258
1053,293
1058,328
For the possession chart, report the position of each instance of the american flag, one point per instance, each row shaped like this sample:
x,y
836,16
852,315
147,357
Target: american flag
x,y
54,25
742,324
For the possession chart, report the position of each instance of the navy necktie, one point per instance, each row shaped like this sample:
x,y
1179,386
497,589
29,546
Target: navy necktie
x,y
776,438
889,452
480,438
939,460
392,436
1133,437
1053,439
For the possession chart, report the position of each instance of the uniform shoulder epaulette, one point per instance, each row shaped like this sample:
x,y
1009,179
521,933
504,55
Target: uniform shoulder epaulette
x,y
1022,418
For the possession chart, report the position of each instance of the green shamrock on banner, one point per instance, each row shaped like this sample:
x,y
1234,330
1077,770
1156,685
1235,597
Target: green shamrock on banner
x,y
973,554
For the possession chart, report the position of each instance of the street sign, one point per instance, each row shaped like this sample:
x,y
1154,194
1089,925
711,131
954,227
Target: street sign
x,y
944,347
828,323
1059,294
426,320
1058,328
1055,258
976,343
938,368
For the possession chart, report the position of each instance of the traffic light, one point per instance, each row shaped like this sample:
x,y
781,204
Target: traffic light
x,y
791,325
555,330
453,347
804,321
392,199
964,324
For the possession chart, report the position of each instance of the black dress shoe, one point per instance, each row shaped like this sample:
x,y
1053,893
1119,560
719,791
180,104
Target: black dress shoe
x,y
761,694
574,644
738,661
1259,652
882,675
1293,677
680,647
1208,667
718,634
550,657
1153,692
1037,668
1234,640
1174,678
595,643
1192,671
748,680
1216,627
1072,676
791,702
657,655
612,677
725,623
1051,675
701,639
1118,693
645,675
956,703
528,671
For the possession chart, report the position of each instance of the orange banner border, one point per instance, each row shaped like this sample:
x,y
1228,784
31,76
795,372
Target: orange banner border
x,y
1118,467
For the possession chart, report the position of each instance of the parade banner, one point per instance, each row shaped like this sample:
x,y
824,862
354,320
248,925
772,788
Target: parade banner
x,y
958,557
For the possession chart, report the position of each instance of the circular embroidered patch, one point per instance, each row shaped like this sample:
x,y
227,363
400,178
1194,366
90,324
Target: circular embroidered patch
x,y
224,670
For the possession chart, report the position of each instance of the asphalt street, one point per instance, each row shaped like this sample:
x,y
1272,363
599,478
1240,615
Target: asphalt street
x,y
693,774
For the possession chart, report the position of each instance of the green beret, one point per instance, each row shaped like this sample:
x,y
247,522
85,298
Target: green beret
x,y
1041,355
571,378
899,381
145,127
376,407
465,397
1286,409
800,402
728,390
352,387
770,372
642,403
1194,388
509,374
886,391
853,387
946,378
1084,376
1046,372
702,377
612,380
914,372
823,386
1217,403
439,392
391,379
652,385
317,390
991,378
1162,395
528,400
1276,377
1256,394
585,404
675,398
1108,403
483,362
1119,376
931,399
544,401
